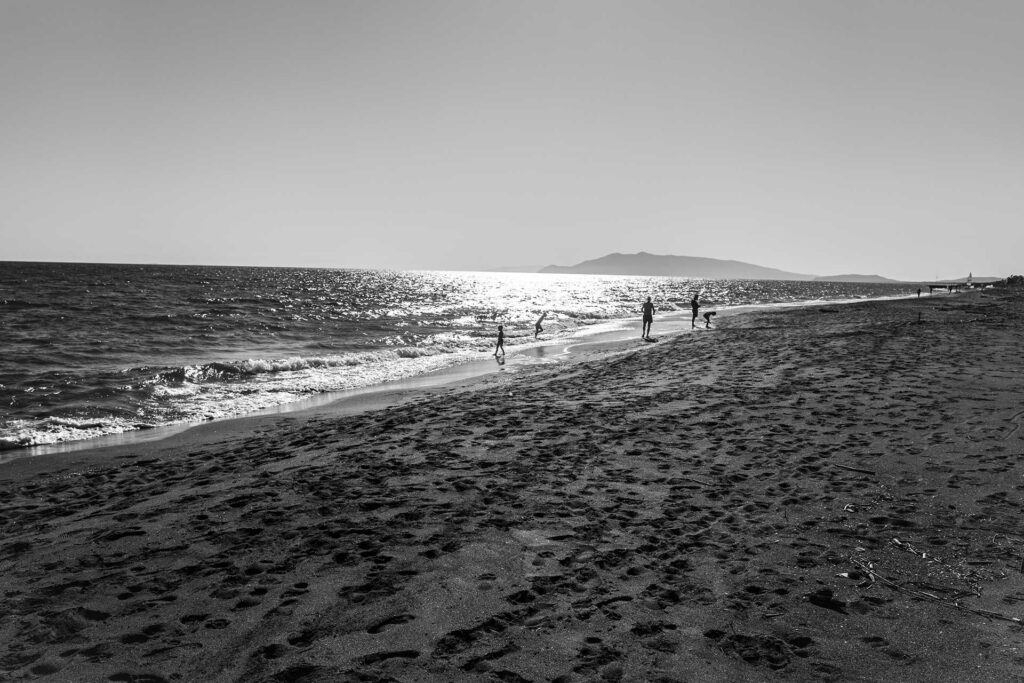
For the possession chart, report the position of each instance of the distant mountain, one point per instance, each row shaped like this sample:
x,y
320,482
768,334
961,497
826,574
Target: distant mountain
x,y
676,266
855,278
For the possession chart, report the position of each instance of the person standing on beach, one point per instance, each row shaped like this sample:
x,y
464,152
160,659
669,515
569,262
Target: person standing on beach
x,y
500,346
694,306
537,329
648,310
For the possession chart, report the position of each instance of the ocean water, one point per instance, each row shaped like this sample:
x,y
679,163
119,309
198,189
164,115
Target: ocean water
x,y
88,350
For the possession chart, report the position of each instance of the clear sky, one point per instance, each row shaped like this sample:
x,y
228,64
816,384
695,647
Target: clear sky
x,y
818,137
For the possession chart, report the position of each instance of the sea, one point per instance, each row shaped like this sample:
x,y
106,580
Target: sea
x,y
91,350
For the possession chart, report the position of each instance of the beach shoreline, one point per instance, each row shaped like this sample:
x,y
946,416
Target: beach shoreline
x,y
823,492
611,334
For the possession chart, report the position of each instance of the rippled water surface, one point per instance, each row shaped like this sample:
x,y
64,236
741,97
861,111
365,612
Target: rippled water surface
x,y
90,349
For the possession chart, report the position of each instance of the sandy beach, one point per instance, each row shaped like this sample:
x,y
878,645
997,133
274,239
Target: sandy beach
x,y
831,492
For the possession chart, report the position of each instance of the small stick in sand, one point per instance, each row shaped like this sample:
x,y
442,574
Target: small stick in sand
x,y
946,603
854,469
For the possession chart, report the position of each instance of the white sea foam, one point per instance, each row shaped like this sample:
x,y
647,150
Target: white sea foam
x,y
178,391
53,430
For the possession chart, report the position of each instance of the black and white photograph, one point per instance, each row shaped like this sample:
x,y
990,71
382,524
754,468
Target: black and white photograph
x,y
518,341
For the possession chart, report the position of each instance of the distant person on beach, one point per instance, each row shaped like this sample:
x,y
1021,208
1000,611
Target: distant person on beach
x,y
537,329
707,318
500,346
694,305
648,310
918,292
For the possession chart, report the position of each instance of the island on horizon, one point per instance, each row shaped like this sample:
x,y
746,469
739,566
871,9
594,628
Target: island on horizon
x,y
644,263
668,265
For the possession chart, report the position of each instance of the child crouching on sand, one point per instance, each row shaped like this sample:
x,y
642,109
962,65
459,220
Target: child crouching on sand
x,y
707,318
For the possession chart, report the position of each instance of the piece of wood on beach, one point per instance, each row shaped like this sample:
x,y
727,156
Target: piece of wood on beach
x,y
853,469
945,602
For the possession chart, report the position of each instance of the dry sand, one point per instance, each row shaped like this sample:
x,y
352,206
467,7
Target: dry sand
x,y
826,493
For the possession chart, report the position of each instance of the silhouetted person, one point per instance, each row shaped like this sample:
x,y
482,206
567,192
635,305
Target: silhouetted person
x,y
707,318
648,310
694,306
918,292
500,346
537,329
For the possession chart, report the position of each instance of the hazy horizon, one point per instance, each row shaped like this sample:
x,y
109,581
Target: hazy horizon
x,y
812,137
521,269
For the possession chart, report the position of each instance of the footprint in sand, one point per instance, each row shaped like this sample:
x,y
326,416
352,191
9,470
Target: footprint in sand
x,y
380,626
125,677
303,638
381,656
217,624
882,645
272,651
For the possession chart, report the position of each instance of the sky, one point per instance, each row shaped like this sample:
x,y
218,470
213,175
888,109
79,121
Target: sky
x,y
815,136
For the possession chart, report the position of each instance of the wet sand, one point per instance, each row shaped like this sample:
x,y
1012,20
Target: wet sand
x,y
825,493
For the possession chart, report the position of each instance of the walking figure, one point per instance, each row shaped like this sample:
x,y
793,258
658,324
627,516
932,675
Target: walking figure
x,y
648,310
500,346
